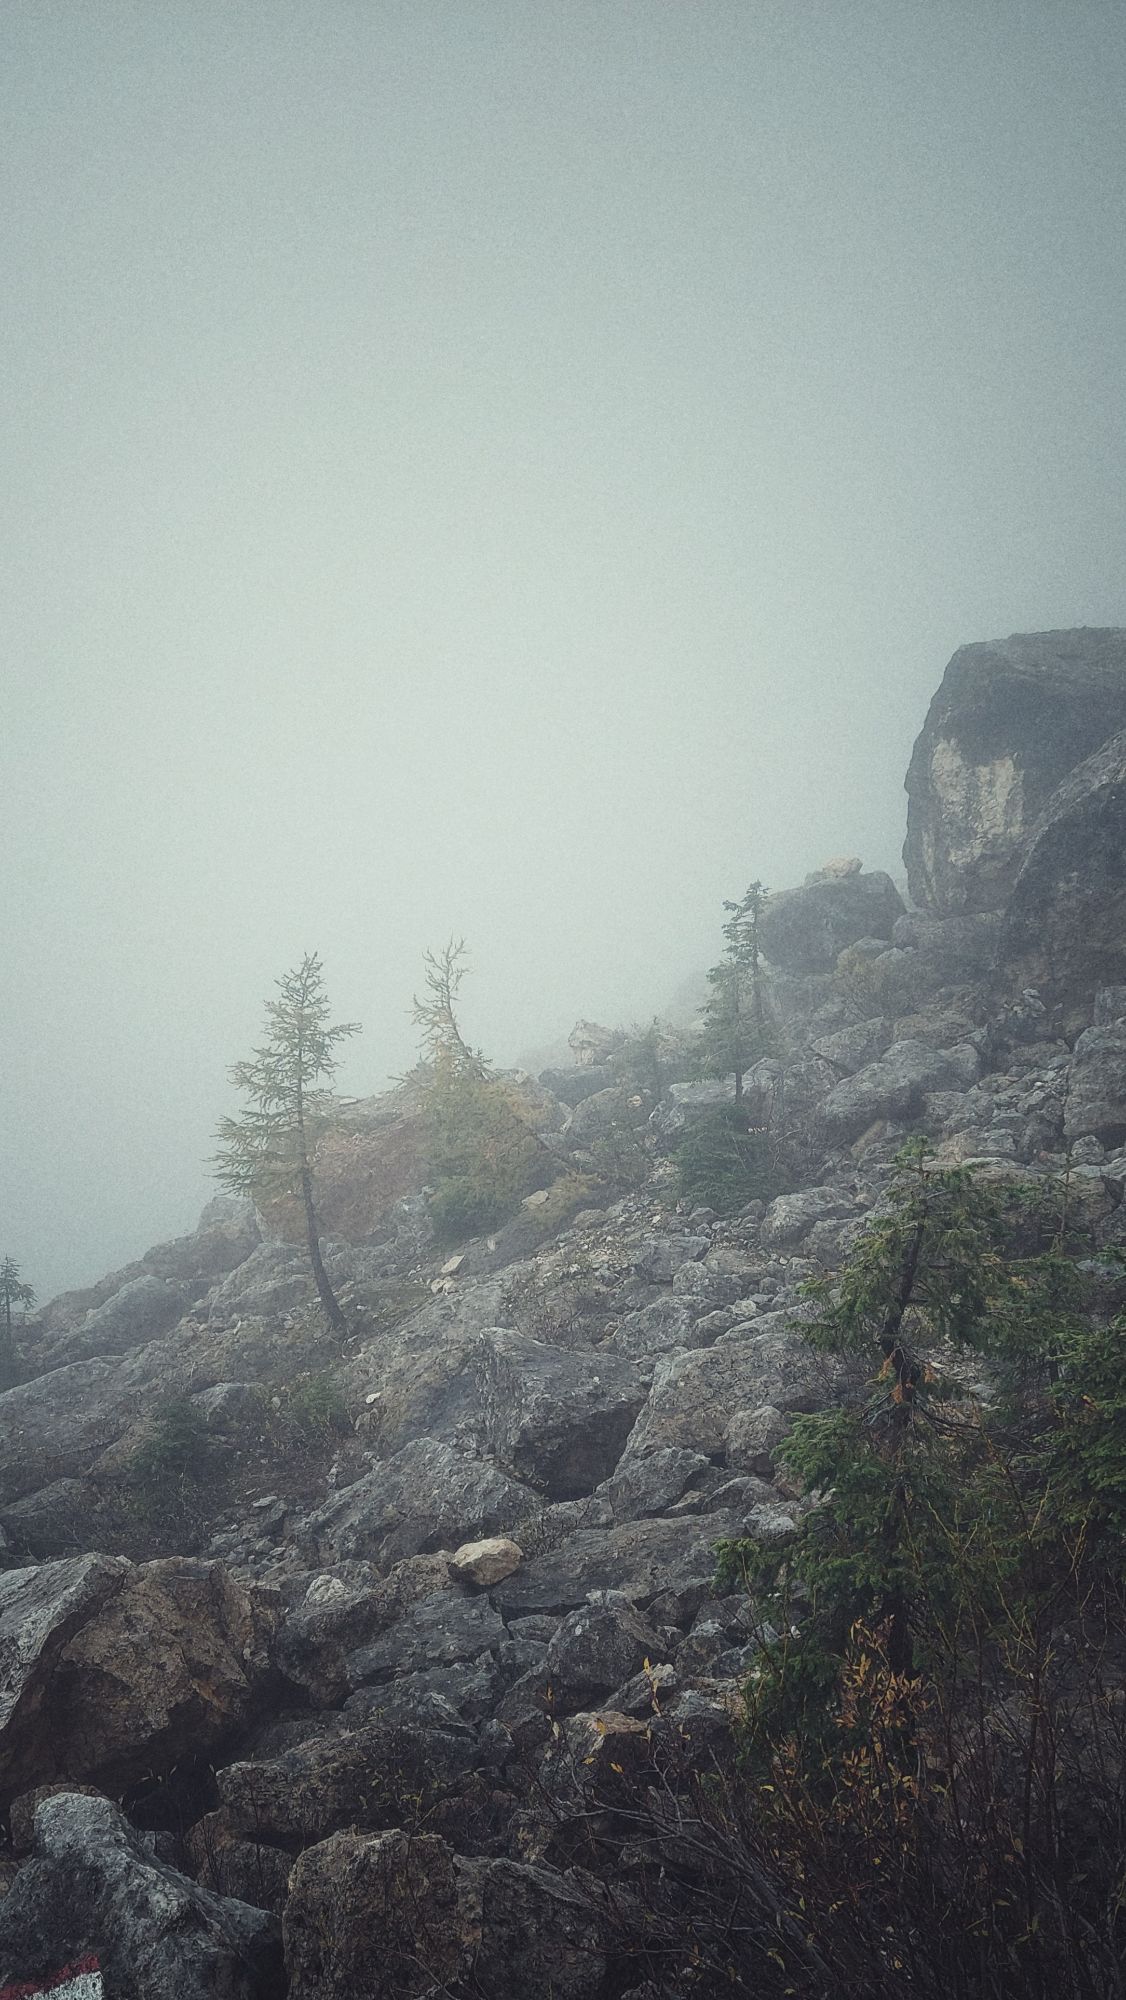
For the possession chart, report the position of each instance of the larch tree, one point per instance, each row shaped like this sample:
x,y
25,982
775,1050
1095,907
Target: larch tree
x,y
267,1150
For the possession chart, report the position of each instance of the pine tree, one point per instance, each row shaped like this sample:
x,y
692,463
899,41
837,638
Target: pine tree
x,y
737,1030
267,1150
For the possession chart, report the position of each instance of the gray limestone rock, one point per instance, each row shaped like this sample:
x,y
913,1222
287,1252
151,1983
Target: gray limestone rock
x,y
427,1496
849,1049
141,1310
392,1917
640,1558
439,1631
352,1777
806,929
667,1326
696,1397
895,1087
1011,719
790,1218
1096,1097
1065,926
597,1647
661,1257
557,1419
651,1483
96,1889
273,1278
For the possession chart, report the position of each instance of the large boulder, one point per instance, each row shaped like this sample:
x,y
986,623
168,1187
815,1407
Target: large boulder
x,y
894,1087
96,1895
111,1671
425,1497
597,1648
1010,720
639,1558
397,1917
790,1217
806,929
226,1233
570,1086
62,1424
440,1631
373,1776
555,1418
666,1326
696,1398
1095,1105
141,1310
1065,928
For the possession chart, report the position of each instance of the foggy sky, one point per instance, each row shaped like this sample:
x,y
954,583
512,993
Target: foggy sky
x,y
513,470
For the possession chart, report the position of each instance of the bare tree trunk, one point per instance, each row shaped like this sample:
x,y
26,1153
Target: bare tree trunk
x,y
325,1292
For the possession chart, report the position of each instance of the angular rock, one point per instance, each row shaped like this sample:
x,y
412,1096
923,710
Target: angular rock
x,y
1095,1105
111,1671
425,1497
250,1871
555,1418
570,1086
95,1888
373,1776
895,1087
791,1217
273,1278
374,1917
486,1562
1065,927
753,1438
606,1111
438,1698
141,1310
667,1326
849,1049
53,1522
1011,719
696,1398
961,947
806,929
396,1918
63,1424
437,1632
661,1257
640,1558
597,1647
231,1407
651,1483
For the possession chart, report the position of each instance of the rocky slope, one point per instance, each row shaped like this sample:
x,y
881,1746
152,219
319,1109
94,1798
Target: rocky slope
x,y
316,1665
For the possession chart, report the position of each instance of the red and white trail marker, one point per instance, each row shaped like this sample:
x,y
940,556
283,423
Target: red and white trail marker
x,y
80,1981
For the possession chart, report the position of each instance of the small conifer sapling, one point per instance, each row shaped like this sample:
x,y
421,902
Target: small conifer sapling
x,y
14,1293
737,1030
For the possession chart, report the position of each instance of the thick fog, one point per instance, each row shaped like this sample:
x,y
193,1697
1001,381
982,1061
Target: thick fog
x,y
507,470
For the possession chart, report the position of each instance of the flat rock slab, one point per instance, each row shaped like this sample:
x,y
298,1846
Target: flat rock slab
x,y
427,1496
640,1559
